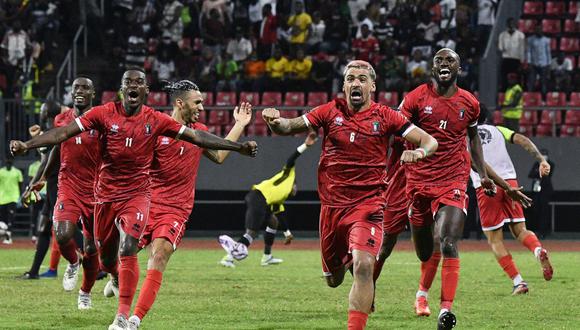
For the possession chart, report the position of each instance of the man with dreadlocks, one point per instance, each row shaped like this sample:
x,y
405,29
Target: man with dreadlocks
x,y
173,176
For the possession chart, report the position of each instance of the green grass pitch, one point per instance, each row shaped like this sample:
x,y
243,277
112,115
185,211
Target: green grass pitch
x,y
197,293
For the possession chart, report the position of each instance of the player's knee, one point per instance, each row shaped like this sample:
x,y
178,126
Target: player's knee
x,y
333,281
449,247
363,268
90,249
159,260
129,247
109,265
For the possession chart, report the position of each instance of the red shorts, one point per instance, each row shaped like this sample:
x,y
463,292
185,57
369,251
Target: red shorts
x,y
426,200
396,213
131,215
163,225
71,208
344,229
499,209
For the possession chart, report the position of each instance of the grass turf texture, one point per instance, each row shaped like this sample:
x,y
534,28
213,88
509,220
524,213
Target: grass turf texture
x,y
197,293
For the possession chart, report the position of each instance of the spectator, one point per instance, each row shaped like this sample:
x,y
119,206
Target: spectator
x,y
254,69
239,48
267,35
136,53
171,19
14,45
321,73
300,26
299,72
513,103
467,77
511,44
391,73
240,15
486,10
336,33
421,44
390,43
417,70
363,19
205,70
220,6
317,33
383,28
448,11
213,31
539,58
561,73
276,68
355,6
163,67
338,66
542,191
143,15
366,47
445,41
431,29
227,73
10,181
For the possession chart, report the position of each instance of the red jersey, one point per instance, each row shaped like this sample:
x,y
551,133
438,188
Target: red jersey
x,y
354,150
367,49
173,174
127,145
79,160
447,120
396,179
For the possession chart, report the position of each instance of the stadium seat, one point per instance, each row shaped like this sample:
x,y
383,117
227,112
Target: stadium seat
x,y
252,97
290,113
215,129
109,96
544,130
555,99
207,98
569,26
574,99
554,44
549,116
572,8
532,99
339,95
526,130
527,25
572,117
500,98
568,130
219,117
225,98
258,119
555,8
3,82
294,99
529,118
551,26
202,117
157,99
569,45
316,98
271,98
497,118
533,8
388,98
258,129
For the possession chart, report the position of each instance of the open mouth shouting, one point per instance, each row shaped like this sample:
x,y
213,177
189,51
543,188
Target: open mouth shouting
x,y
444,74
80,99
133,96
356,95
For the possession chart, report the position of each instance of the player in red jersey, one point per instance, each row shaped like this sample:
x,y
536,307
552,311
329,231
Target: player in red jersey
x,y
351,178
436,187
129,132
173,177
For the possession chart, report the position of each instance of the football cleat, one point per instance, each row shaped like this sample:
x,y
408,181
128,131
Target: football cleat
x,y
228,261
120,323
112,288
134,323
546,265
28,276
268,259
71,276
422,306
446,321
521,288
84,301
49,274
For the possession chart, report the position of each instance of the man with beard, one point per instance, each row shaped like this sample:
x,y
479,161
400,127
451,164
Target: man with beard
x,y
129,132
351,178
437,187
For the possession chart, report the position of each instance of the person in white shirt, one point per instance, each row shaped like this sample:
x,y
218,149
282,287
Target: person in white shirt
x,y
316,35
431,29
512,45
448,9
363,18
561,73
446,41
240,48
486,10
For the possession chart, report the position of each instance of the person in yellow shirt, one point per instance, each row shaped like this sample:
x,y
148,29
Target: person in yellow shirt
x,y
299,73
300,25
277,67
263,203
513,103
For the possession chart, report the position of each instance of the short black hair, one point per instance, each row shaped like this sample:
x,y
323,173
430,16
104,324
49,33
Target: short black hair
x,y
179,88
135,68
483,114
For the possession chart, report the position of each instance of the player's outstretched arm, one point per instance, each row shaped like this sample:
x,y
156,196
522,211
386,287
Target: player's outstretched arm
x,y
476,153
514,193
210,141
427,145
283,126
50,138
532,149
242,116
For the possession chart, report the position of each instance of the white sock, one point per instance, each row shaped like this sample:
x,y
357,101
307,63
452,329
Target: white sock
x,y
537,251
422,294
518,279
443,310
249,238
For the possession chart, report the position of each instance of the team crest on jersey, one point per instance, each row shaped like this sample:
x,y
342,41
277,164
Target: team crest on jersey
x,y
376,127
165,140
428,110
456,194
461,114
147,129
92,133
114,128
61,206
338,121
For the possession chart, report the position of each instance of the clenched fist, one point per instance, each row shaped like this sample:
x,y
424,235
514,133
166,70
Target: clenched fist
x,y
17,148
411,156
271,116
249,148
34,130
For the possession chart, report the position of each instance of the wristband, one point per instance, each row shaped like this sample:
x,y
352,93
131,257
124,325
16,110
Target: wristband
x,y
302,148
422,151
287,233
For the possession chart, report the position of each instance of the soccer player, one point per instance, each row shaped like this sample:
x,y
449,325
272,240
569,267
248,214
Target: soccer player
x,y
263,203
129,132
499,210
351,178
436,187
173,177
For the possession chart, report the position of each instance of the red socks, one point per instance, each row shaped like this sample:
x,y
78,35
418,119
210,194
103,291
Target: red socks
x,y
54,254
449,281
428,271
509,267
357,320
531,242
69,251
128,280
90,271
148,292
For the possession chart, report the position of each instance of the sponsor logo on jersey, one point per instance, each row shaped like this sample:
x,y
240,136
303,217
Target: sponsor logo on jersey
x,y
147,129
338,121
114,128
92,133
165,140
484,135
428,110
376,127
461,114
